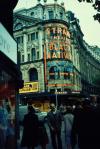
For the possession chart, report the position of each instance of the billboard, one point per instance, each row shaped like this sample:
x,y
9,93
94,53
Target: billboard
x,y
30,87
8,46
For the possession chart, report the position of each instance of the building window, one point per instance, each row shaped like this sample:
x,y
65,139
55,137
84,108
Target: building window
x,y
33,53
51,15
54,73
33,36
32,13
19,39
67,90
37,54
18,26
52,91
33,74
36,35
22,58
28,37
59,90
19,56
28,57
61,15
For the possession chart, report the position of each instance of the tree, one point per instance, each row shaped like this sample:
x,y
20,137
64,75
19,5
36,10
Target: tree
x,y
96,5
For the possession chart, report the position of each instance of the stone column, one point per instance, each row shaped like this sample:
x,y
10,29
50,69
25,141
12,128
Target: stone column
x,y
25,46
40,35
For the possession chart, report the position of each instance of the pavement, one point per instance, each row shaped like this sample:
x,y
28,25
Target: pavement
x,y
49,146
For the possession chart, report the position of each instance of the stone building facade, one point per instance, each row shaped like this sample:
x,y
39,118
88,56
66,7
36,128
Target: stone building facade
x,y
52,51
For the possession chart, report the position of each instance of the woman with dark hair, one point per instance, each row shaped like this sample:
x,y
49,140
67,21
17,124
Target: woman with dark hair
x,y
30,131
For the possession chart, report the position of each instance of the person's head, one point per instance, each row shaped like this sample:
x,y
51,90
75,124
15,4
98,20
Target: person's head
x,y
86,103
69,109
52,106
93,99
31,109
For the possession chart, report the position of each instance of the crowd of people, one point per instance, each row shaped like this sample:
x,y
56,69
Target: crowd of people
x,y
81,126
7,126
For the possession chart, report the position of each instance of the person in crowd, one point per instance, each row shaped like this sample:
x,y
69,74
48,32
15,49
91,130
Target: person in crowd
x,y
42,135
86,127
10,141
30,129
3,125
93,100
54,119
68,122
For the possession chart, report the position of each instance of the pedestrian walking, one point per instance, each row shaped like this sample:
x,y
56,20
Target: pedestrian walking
x,y
3,125
68,123
30,130
10,140
54,119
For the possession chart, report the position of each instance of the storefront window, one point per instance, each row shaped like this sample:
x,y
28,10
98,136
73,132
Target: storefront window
x,y
7,109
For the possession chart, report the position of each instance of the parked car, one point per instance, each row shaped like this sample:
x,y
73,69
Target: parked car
x,y
23,110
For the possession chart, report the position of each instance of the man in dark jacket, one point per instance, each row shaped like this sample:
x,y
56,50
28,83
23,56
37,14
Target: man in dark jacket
x,y
86,127
54,123
30,131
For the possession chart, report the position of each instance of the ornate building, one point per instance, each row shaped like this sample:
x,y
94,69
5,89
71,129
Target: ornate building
x,y
52,53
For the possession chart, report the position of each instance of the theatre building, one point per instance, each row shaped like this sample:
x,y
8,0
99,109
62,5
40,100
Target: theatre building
x,y
54,58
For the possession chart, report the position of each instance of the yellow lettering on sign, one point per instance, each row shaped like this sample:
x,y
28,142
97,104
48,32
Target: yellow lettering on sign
x,y
61,47
59,30
51,46
54,55
64,32
29,87
68,34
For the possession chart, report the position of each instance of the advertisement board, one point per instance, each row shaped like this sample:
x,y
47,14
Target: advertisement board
x,y
30,87
8,46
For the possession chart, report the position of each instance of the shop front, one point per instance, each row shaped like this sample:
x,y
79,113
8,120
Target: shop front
x,y
10,82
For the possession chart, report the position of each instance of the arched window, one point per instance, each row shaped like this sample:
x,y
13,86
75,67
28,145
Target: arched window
x,y
18,26
33,74
54,73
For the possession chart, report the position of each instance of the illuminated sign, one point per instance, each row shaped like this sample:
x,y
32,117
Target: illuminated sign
x,y
8,46
29,87
58,41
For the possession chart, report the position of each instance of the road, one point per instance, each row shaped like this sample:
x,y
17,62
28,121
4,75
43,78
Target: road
x,y
49,146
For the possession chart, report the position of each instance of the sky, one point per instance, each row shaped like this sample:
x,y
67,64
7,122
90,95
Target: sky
x,y
83,11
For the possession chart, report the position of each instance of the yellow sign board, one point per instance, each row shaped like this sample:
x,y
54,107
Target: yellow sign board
x,y
29,87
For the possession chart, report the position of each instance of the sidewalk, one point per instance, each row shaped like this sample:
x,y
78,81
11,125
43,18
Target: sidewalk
x,y
49,146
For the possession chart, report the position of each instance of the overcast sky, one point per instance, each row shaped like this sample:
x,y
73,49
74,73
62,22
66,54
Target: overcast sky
x,y
83,11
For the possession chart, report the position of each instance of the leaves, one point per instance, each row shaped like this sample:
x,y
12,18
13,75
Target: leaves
x,y
96,5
